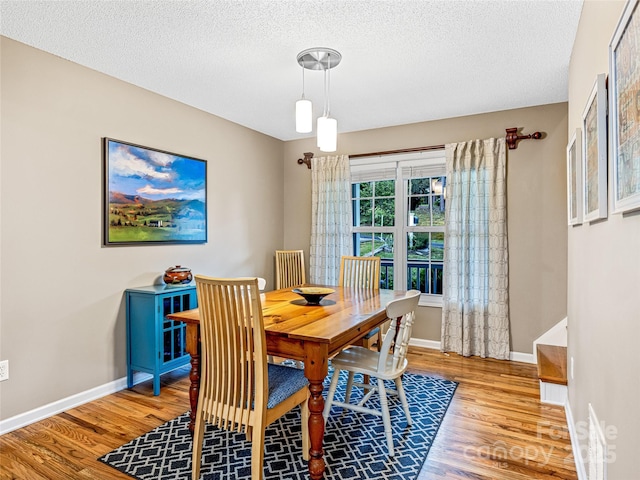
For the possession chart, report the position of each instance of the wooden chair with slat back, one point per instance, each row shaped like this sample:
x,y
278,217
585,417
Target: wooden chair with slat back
x,y
290,270
362,272
238,388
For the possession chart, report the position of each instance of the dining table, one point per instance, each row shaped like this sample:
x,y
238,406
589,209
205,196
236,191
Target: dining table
x,y
309,333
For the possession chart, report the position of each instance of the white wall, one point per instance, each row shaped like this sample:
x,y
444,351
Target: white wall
x,y
603,280
62,312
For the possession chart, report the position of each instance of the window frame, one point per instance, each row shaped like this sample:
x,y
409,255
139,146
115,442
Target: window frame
x,y
366,169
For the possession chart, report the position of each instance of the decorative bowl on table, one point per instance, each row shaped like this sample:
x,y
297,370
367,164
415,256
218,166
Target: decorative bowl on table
x,y
177,275
313,295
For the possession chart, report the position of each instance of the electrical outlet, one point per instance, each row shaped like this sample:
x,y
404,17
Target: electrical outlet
x,y
4,370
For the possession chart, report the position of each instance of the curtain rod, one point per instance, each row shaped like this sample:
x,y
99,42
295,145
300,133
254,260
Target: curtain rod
x,y
511,138
402,150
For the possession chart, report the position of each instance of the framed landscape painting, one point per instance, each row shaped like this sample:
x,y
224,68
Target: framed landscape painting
x,y
624,117
152,196
594,152
574,178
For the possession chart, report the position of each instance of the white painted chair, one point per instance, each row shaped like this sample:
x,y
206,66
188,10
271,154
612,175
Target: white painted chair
x,y
262,284
388,364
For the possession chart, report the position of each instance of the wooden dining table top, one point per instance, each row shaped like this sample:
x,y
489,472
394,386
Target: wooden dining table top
x,y
347,314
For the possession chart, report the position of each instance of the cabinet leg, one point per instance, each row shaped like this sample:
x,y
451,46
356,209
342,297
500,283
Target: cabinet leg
x,y
156,384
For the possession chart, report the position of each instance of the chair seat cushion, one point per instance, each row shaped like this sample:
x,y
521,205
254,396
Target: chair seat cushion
x,y
284,382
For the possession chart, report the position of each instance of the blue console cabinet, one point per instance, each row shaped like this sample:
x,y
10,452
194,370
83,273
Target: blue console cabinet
x,y
156,345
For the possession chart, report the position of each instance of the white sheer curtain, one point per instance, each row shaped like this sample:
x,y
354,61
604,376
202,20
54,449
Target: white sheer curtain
x,y
475,310
330,218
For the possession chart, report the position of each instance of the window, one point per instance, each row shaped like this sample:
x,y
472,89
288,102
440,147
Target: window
x,y
398,215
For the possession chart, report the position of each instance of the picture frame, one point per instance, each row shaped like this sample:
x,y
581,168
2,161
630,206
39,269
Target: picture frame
x,y
574,178
152,196
594,152
624,116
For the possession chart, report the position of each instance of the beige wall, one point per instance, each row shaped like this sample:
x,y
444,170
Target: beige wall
x,y
62,309
603,280
536,196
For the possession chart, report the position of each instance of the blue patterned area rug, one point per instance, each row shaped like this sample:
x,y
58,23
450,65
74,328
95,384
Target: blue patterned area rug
x,y
354,443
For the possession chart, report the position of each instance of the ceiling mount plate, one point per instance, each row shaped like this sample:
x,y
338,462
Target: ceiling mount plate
x,y
319,58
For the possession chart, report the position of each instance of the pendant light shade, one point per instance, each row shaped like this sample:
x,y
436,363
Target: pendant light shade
x,y
327,128
304,116
327,131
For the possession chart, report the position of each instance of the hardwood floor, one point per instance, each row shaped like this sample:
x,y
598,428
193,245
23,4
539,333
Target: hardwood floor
x,y
495,428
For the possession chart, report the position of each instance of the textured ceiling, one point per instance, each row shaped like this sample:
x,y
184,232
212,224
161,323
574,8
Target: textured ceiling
x,y
402,61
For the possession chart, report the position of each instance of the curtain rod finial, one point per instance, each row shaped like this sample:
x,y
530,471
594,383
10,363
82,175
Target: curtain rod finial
x,y
513,137
306,160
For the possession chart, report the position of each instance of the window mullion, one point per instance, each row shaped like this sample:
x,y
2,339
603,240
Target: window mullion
x,y
400,257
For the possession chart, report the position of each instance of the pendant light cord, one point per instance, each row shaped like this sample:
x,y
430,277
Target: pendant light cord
x,y
327,81
329,85
324,100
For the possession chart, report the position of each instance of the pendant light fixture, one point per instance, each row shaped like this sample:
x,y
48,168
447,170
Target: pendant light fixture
x,y
327,128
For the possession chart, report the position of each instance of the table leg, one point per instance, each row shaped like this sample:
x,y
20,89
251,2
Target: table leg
x,y
194,390
193,349
316,369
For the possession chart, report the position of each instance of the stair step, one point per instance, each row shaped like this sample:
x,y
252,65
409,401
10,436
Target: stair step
x,y
552,364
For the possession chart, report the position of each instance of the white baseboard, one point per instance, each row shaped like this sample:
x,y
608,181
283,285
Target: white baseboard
x,y
513,356
522,357
421,342
40,413
575,444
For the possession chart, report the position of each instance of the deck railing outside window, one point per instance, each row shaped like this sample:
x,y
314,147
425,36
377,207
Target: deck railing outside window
x,y
417,276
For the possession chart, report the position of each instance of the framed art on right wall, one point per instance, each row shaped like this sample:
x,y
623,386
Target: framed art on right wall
x,y
624,115
574,178
594,152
